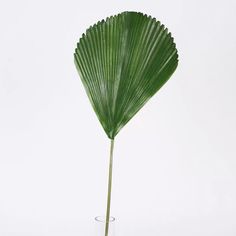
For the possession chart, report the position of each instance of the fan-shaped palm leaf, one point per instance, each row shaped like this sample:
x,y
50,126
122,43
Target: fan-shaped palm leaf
x,y
123,61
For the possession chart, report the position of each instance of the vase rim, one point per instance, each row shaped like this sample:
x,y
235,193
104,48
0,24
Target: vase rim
x,y
102,219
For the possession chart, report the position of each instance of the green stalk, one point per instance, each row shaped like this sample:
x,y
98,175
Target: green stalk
x,y
109,188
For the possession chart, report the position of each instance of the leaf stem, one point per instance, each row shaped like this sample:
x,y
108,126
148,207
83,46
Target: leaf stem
x,y
109,188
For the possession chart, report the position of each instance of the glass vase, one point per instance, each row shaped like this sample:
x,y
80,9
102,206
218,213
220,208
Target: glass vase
x,y
100,225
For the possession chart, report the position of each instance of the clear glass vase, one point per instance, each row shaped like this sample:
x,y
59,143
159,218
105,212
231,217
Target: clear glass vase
x,y
100,225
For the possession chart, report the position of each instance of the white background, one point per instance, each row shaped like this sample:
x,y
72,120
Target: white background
x,y
174,162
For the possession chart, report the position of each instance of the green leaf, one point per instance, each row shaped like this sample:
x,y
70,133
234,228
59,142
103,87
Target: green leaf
x,y
123,61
